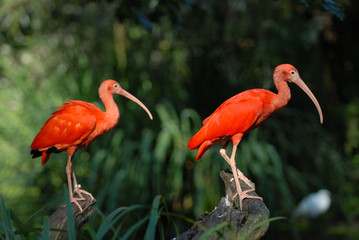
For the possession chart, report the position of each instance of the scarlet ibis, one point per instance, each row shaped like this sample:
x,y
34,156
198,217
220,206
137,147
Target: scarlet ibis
x,y
75,125
241,114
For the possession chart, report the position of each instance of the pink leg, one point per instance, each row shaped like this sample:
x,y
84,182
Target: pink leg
x,y
241,176
232,162
244,179
77,189
69,173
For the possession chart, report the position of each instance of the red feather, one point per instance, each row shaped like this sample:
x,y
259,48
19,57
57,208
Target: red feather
x,y
65,128
243,113
75,125
239,114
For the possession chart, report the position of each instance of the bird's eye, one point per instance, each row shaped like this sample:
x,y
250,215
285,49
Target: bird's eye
x,y
292,72
115,85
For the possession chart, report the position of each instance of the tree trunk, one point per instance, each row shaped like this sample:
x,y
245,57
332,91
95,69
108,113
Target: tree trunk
x,y
241,222
58,220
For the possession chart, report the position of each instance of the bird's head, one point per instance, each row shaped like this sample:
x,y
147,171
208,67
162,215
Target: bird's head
x,y
288,73
113,87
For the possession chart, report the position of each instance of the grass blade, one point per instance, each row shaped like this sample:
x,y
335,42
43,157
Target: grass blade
x,y
208,233
6,219
133,228
113,218
45,230
19,226
70,218
244,236
155,213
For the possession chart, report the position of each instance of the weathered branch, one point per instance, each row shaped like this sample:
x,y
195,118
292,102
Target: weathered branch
x,y
58,220
241,222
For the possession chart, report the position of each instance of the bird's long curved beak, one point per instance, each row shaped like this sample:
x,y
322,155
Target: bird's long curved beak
x,y
300,83
133,98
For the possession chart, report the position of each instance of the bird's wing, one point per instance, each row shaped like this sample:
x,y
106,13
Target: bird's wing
x,y
69,126
238,114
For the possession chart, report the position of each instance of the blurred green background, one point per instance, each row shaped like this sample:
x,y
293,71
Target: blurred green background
x,y
182,59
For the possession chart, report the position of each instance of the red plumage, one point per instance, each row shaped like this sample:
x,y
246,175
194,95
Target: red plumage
x,y
75,125
240,114
69,126
243,113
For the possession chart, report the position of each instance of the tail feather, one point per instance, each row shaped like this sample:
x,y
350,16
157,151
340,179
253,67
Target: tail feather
x,y
45,157
203,148
45,154
199,141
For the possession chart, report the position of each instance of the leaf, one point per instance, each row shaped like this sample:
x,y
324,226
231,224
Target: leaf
x,y
6,218
244,236
45,230
144,20
113,218
133,228
155,213
333,7
19,225
208,233
70,218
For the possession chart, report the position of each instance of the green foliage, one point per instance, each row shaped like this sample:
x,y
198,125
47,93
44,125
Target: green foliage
x,y
244,236
108,229
6,225
12,228
182,59
217,229
70,218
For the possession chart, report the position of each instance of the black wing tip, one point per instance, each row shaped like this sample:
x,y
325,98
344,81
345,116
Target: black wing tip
x,y
36,153
52,150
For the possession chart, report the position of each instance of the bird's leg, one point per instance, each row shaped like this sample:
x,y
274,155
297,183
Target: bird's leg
x,y
245,179
78,190
69,173
223,152
232,162
241,176
76,185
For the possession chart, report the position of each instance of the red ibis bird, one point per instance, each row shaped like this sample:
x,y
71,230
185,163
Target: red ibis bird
x,y
74,126
244,112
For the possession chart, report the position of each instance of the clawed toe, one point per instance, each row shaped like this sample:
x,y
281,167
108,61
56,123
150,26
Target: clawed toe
x,y
79,192
244,194
81,198
75,201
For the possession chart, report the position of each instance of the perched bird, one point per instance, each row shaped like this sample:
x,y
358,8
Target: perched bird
x,y
75,125
314,204
241,114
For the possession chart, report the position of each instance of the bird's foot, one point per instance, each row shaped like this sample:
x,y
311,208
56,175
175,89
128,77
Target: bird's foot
x,y
244,194
79,192
75,201
244,179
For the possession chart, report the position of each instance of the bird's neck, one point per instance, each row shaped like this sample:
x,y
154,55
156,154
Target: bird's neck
x,y
112,114
283,93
